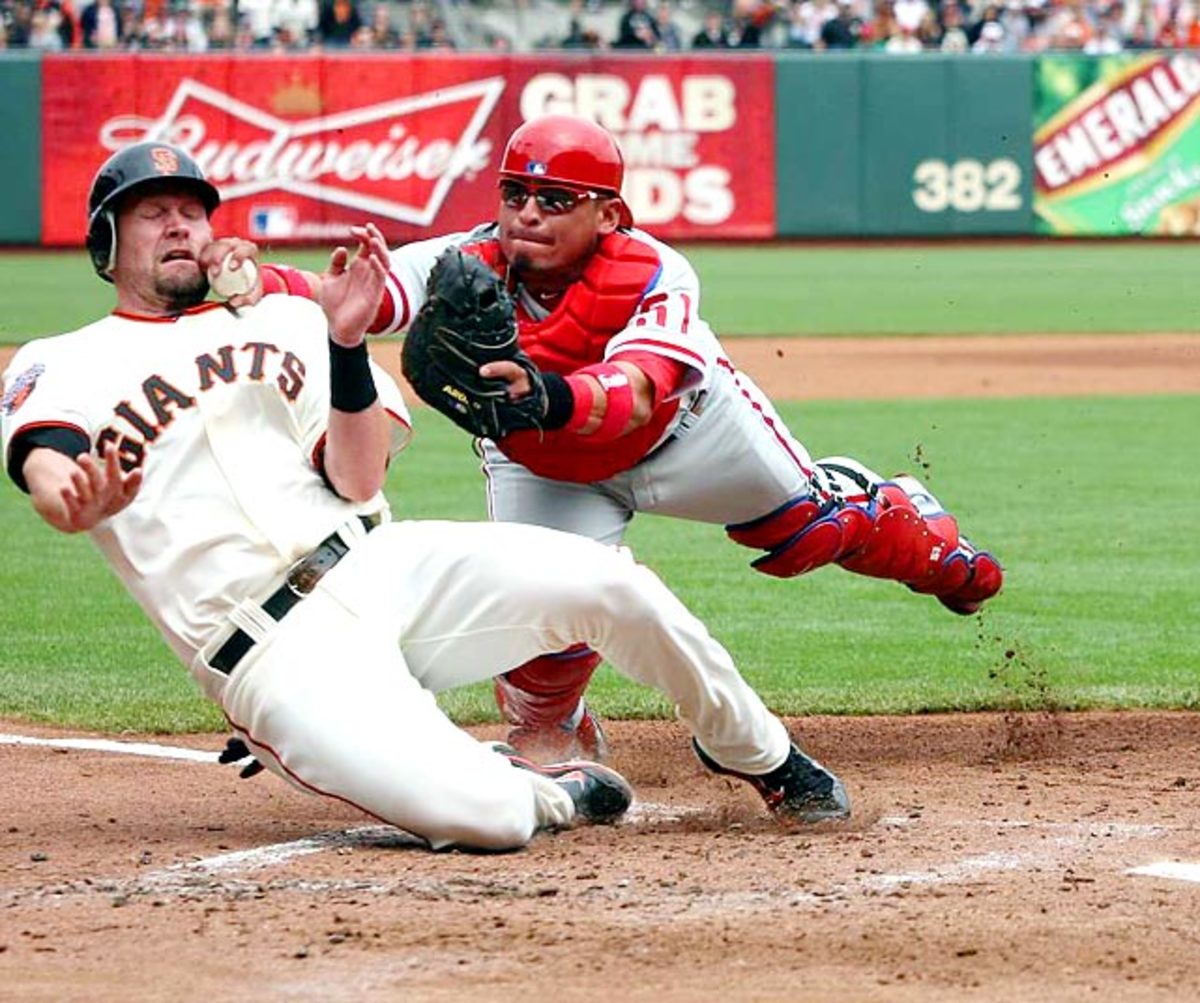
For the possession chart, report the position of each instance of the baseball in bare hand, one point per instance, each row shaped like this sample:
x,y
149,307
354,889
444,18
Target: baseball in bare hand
x,y
230,281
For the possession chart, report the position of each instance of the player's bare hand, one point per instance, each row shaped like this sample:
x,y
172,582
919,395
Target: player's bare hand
x,y
352,286
512,374
74,496
239,252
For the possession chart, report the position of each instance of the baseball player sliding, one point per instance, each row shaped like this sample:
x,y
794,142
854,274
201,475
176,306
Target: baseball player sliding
x,y
621,400
228,464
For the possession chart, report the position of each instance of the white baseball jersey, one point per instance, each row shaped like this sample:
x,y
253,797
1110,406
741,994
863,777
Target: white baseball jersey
x,y
221,511
226,413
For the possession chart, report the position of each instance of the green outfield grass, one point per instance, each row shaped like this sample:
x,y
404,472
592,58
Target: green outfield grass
x,y
805,289
1091,504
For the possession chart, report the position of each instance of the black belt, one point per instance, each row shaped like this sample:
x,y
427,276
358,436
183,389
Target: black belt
x,y
302,577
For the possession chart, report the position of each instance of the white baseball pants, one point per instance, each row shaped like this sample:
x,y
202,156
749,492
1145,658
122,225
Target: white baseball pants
x,y
339,695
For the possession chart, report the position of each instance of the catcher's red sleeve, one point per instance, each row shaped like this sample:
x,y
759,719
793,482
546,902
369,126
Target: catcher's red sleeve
x,y
665,374
285,279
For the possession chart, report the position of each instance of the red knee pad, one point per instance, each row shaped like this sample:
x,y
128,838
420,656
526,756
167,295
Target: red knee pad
x,y
776,527
546,690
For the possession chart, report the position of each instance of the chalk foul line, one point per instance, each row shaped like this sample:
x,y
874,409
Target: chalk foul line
x,y
148,749
1177,870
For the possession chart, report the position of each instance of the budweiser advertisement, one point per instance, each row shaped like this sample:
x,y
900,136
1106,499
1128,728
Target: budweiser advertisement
x,y
302,148
1117,144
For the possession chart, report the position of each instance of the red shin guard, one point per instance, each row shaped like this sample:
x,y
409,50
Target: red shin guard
x,y
801,536
545,691
901,534
926,553
903,545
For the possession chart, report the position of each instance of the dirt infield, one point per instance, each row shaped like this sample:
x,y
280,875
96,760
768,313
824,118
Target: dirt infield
x,y
987,860
989,857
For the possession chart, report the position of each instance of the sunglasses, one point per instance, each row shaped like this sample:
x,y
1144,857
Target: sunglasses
x,y
550,199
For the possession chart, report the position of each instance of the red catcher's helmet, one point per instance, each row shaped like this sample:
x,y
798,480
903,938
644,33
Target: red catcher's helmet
x,y
567,150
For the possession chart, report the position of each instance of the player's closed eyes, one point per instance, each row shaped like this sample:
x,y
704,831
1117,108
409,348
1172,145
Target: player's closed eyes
x,y
552,200
188,212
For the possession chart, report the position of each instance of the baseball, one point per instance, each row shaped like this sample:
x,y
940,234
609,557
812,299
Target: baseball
x,y
234,282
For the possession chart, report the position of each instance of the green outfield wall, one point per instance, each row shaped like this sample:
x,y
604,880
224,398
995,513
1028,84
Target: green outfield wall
x,y
874,145
741,146
21,158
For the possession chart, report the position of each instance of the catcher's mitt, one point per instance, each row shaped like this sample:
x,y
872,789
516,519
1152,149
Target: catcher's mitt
x,y
469,319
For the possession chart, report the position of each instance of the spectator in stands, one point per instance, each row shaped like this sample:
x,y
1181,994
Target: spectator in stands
x,y
1107,40
953,29
439,36
337,23
903,41
1140,35
68,27
989,13
669,37
712,34
751,20
44,23
1015,21
991,38
495,42
1189,26
101,25
843,31
1067,26
383,33
419,26
910,13
574,38
256,19
220,30
579,37
880,28
294,21
171,29
17,20
636,29
805,21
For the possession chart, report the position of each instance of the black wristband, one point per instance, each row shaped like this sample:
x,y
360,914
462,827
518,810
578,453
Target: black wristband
x,y
560,401
65,439
351,385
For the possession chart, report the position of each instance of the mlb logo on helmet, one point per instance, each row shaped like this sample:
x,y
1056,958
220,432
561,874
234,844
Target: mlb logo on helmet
x,y
537,167
165,160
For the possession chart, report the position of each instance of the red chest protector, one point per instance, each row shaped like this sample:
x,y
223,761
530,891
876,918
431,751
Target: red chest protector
x,y
595,308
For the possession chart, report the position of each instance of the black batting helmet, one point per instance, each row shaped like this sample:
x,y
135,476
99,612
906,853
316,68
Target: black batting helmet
x,y
125,170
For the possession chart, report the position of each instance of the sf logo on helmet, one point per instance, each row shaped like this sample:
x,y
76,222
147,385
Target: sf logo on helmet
x,y
165,160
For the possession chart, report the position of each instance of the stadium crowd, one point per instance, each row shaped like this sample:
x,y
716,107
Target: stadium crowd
x,y
894,26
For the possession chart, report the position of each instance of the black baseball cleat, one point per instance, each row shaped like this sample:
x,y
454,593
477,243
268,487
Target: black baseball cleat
x,y
601,795
799,791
